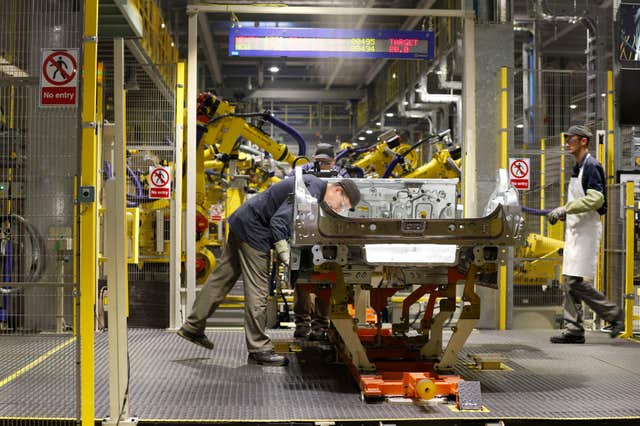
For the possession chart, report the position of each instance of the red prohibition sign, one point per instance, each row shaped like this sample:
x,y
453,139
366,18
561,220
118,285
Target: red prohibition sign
x,y
159,177
519,169
56,64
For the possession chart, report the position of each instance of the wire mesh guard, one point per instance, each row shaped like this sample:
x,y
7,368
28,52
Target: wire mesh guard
x,y
150,133
547,103
38,164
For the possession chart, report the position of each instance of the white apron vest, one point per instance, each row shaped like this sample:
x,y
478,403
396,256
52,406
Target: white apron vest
x,y
581,237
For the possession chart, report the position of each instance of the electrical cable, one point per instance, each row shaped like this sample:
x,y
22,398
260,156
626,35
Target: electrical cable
x,y
389,170
37,246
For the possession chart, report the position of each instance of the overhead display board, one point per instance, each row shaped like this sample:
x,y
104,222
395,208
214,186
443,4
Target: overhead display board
x,y
330,42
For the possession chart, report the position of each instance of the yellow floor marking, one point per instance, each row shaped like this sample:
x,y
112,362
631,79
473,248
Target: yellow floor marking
x,y
35,362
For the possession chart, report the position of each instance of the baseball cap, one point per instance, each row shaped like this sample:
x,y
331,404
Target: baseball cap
x,y
324,151
351,191
579,131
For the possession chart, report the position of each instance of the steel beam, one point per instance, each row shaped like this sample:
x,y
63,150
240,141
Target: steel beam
x,y
306,94
339,11
209,52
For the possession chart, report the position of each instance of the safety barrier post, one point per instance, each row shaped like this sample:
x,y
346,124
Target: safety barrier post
x,y
175,300
88,212
503,164
610,172
629,256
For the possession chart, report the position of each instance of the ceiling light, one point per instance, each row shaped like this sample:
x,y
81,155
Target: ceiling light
x,y
172,44
519,126
378,123
10,69
361,138
603,95
355,144
573,106
162,25
274,69
389,114
368,131
393,75
405,103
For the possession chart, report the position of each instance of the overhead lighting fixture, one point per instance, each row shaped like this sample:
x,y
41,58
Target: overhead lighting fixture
x,y
274,69
368,131
172,44
10,69
355,144
405,103
361,138
573,106
162,25
604,95
519,126
393,75
378,123
389,114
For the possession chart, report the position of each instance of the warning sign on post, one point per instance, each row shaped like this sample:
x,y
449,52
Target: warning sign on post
x,y
59,78
159,182
519,172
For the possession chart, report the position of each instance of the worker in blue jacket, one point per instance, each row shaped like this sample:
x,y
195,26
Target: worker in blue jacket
x,y
586,202
261,223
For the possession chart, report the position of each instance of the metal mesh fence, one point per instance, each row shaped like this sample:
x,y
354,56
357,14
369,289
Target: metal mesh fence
x,y
38,164
546,103
150,114
150,141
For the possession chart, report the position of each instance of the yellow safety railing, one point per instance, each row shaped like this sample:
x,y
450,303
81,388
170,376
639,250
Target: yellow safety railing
x,y
88,212
156,40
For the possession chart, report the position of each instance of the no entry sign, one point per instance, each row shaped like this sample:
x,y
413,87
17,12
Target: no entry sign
x,y
519,172
59,78
159,182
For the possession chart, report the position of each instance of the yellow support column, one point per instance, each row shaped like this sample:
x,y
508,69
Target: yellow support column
x,y
610,173
542,183
503,164
88,212
629,255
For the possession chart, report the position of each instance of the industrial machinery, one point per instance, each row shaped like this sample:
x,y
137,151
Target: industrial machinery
x,y
402,235
228,166
390,157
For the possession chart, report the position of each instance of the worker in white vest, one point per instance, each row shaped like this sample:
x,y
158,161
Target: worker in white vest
x,y
587,201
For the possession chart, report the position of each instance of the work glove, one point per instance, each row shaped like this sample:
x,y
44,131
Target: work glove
x,y
282,249
559,213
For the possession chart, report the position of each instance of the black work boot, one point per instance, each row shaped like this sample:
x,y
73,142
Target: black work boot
x,y
267,358
318,335
567,338
198,339
616,328
302,331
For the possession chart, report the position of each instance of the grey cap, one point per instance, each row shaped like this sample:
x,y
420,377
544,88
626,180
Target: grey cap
x,y
579,131
351,191
324,151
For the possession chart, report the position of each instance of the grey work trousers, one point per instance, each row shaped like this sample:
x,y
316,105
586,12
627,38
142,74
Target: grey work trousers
x,y
309,310
576,291
238,258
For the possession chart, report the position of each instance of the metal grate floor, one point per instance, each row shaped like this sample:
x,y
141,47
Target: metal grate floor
x,y
174,380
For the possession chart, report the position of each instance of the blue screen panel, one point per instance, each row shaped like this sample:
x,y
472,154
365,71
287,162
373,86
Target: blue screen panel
x,y
331,42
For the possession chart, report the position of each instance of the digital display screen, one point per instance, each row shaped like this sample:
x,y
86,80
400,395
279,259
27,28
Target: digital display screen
x,y
326,42
628,25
